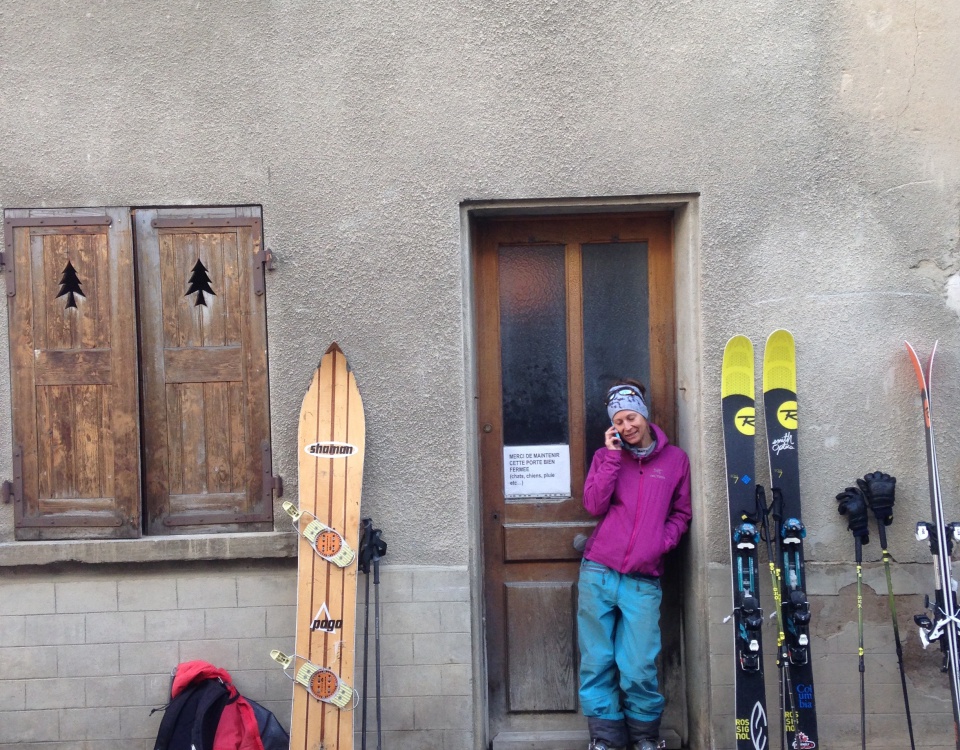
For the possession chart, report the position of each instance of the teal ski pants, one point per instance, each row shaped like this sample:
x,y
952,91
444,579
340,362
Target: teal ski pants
x,y
618,621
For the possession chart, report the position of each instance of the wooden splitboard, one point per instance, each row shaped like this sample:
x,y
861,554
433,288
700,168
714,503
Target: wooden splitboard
x,y
331,449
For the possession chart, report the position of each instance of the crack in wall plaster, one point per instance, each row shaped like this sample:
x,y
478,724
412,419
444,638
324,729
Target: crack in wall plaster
x,y
913,68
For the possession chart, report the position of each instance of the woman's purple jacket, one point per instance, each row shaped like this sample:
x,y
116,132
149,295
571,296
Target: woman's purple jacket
x,y
645,504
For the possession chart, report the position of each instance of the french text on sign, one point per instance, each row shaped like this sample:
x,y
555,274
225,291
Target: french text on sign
x,y
536,471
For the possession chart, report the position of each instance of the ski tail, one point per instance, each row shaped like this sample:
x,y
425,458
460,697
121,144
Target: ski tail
x,y
940,536
739,428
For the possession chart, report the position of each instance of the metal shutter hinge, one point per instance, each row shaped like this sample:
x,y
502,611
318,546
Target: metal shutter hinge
x,y
8,272
13,490
263,259
271,482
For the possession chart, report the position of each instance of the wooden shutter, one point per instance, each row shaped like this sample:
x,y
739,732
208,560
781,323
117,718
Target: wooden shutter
x,y
74,373
203,336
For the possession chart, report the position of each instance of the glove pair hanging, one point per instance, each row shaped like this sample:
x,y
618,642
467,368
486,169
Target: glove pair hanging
x,y
876,492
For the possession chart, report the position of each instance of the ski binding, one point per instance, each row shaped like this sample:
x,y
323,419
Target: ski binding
x,y
326,542
322,683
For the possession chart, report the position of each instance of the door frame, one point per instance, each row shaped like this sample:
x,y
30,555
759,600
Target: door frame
x,y
684,209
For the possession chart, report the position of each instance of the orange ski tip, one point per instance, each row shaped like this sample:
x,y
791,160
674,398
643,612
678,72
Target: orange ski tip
x,y
917,367
334,347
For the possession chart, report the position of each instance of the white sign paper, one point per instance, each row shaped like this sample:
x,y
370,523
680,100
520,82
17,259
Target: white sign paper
x,y
536,470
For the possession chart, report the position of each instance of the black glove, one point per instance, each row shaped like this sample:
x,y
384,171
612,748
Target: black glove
x,y
879,489
853,505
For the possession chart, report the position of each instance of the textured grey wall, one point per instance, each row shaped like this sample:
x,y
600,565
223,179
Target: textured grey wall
x,y
822,138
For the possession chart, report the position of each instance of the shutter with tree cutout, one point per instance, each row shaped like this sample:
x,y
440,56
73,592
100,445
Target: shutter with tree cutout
x,y
74,386
203,337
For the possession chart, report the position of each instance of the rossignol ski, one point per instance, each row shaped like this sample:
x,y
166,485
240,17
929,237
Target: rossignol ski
x,y
739,420
941,536
780,411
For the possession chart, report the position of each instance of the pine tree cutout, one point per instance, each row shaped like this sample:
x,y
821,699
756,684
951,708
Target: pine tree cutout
x,y
70,285
199,283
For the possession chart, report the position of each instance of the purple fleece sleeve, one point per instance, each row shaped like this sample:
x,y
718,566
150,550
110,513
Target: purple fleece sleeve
x,y
601,479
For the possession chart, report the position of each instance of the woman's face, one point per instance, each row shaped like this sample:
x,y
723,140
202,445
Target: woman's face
x,y
631,425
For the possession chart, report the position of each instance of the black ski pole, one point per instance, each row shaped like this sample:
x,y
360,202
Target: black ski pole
x,y
879,490
786,685
363,565
853,505
863,699
379,550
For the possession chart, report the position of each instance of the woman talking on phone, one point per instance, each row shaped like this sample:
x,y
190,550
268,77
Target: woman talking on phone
x,y
639,486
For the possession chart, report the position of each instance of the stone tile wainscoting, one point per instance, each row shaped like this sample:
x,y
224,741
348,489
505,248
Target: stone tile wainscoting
x,y
86,651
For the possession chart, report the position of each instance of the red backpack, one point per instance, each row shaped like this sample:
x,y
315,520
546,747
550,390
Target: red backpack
x,y
206,712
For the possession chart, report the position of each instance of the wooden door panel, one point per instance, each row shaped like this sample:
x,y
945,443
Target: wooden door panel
x,y
542,541
541,624
204,327
75,390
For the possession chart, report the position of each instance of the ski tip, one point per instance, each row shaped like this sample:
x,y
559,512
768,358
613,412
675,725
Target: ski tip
x,y
780,333
334,347
780,362
737,374
917,366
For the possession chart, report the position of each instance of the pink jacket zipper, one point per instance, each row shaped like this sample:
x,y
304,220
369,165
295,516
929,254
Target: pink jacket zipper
x,y
636,522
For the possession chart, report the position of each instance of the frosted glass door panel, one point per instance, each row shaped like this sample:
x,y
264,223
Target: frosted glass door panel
x,y
533,340
616,326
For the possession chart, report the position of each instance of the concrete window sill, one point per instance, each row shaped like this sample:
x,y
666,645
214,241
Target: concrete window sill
x,y
150,549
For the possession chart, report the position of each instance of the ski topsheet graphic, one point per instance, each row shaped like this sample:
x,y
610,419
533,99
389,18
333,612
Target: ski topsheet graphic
x,y
331,450
739,428
940,535
782,421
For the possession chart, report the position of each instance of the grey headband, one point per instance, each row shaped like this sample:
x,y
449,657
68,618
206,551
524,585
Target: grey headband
x,y
622,397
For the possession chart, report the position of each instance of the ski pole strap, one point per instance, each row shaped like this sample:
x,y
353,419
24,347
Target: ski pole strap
x,y
322,683
326,541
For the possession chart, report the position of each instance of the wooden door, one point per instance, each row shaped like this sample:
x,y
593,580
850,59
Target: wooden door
x,y
204,346
74,364
565,305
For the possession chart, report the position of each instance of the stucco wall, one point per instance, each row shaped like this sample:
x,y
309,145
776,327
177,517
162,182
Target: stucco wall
x,y
821,138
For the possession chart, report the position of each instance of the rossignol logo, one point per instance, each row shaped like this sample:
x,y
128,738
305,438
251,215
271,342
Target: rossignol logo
x,y
787,415
746,420
754,729
784,443
331,449
324,622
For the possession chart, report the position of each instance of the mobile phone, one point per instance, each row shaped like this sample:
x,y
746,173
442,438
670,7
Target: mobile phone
x,y
616,436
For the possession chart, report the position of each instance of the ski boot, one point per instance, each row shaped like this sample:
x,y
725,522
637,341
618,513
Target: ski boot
x,y
644,734
607,734
645,745
602,745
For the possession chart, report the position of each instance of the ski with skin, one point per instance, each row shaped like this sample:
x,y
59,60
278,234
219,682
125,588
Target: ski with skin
x,y
941,536
739,416
780,411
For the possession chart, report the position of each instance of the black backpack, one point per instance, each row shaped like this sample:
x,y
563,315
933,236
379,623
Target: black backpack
x,y
191,719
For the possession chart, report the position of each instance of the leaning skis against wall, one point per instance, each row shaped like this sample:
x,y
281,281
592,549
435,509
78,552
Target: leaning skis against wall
x,y
796,665
737,402
941,624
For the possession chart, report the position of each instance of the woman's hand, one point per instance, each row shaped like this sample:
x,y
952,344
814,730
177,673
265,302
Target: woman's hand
x,y
612,439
